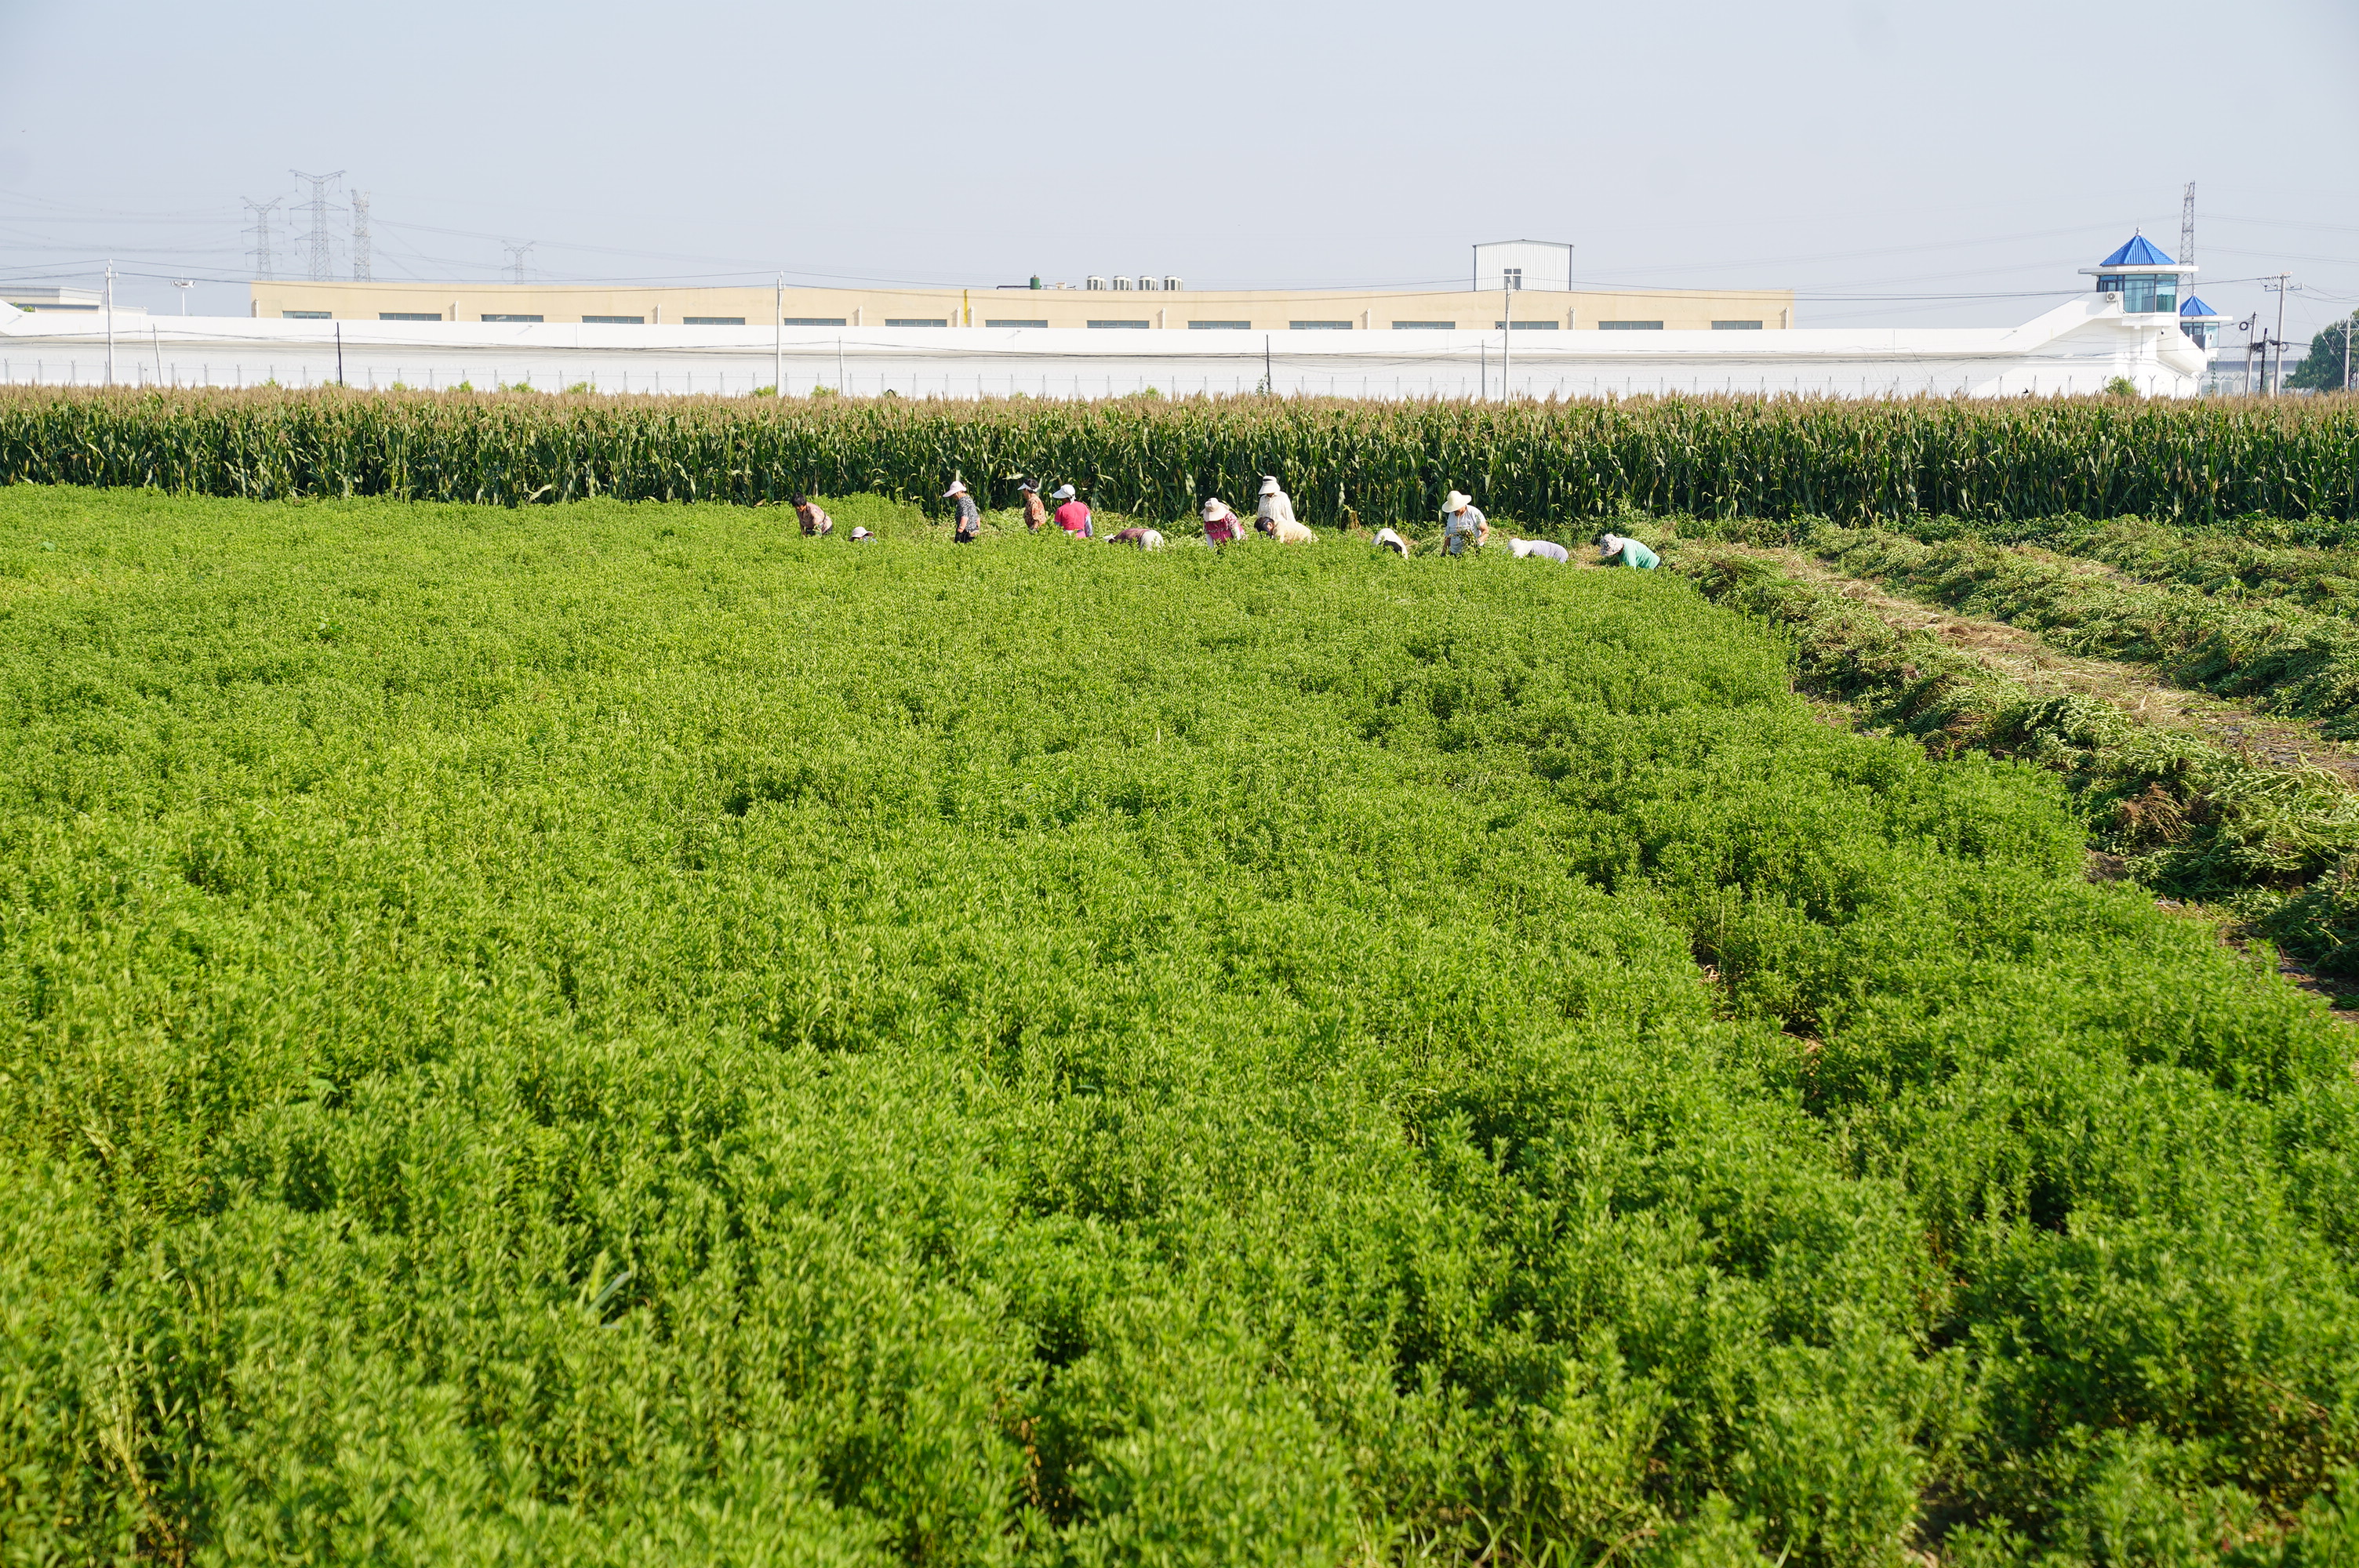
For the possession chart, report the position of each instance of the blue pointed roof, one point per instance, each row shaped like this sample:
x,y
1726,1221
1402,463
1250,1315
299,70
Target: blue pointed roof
x,y
2195,306
2138,251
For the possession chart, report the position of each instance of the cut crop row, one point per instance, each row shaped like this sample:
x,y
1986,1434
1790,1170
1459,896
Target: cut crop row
x,y
2277,847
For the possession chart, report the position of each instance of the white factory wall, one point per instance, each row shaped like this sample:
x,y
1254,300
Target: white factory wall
x,y
2077,348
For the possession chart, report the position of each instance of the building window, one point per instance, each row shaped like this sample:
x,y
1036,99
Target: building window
x,y
1511,276
2143,292
1221,326
1117,323
1425,326
409,315
508,318
1736,326
1003,321
615,320
1629,326
1526,326
713,320
1319,326
917,321
304,315
810,322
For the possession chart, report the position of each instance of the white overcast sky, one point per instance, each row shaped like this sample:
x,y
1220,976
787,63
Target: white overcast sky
x,y
1896,163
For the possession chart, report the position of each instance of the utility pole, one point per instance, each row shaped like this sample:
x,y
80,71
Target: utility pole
x,y
360,237
2281,288
517,254
261,211
110,322
318,205
779,342
1506,334
2186,227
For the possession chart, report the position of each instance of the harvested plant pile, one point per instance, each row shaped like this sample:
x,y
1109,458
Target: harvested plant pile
x,y
1732,458
622,1033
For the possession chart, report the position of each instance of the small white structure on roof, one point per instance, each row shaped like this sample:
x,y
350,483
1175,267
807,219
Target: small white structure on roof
x,y
1523,264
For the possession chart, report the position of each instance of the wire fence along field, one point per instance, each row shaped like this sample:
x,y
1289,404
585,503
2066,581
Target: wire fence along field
x,y
1342,461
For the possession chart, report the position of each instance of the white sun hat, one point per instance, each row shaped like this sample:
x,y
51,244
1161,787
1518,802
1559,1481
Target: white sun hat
x,y
1032,485
1457,501
1609,543
958,487
862,534
1269,485
1062,492
1215,509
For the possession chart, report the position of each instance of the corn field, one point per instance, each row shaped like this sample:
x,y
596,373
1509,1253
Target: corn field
x,y
2188,462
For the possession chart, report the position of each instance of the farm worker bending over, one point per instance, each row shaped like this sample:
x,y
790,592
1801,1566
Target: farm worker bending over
x,y
1071,516
1286,532
1144,538
1275,506
1614,549
1387,539
814,516
970,516
1035,512
1540,548
1463,523
1220,524
861,536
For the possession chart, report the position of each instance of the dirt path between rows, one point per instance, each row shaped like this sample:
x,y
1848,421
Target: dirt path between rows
x,y
2136,689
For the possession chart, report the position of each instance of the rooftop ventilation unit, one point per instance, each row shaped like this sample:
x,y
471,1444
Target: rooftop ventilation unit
x,y
1121,282
1147,281
1172,281
1093,281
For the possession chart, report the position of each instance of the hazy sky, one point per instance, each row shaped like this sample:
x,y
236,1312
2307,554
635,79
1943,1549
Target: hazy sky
x,y
1895,163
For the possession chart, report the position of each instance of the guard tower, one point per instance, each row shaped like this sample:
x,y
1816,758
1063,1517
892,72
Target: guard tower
x,y
2147,282
2200,321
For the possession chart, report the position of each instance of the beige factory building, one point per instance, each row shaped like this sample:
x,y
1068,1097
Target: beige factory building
x,y
1161,308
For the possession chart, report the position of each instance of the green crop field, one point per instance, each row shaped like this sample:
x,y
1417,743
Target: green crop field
x,y
615,1032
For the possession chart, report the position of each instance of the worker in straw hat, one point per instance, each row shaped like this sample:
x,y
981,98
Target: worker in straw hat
x,y
970,516
1545,549
1619,550
1275,506
1221,523
1463,523
1143,538
1036,512
1072,514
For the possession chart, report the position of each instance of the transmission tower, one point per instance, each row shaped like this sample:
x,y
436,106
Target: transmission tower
x,y
2186,227
517,254
318,205
360,237
262,210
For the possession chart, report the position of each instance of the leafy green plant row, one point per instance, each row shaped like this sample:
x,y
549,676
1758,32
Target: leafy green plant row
x,y
2279,848
622,1033
1776,458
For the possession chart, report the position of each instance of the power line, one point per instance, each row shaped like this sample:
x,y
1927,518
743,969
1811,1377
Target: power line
x,y
360,238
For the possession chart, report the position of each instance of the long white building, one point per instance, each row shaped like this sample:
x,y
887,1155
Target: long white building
x,y
2138,324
